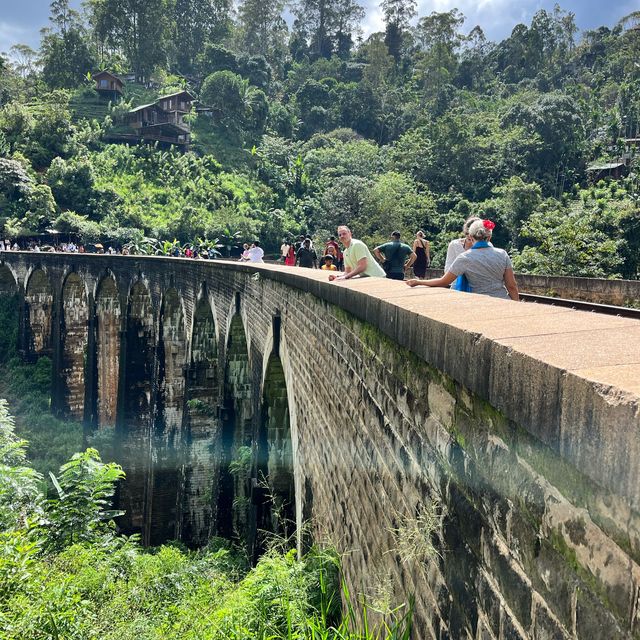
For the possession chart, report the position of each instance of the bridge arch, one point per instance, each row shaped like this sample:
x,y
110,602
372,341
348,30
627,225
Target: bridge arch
x,y
108,314
9,312
74,341
38,313
8,280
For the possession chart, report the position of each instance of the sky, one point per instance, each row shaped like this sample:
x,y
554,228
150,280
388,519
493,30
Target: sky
x,y
21,20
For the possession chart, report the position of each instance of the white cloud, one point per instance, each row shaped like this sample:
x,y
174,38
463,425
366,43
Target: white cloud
x,y
11,34
373,20
496,17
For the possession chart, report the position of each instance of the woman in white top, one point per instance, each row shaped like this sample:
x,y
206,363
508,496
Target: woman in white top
x,y
487,270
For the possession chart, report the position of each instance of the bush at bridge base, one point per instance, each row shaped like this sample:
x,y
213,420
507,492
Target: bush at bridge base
x,y
108,587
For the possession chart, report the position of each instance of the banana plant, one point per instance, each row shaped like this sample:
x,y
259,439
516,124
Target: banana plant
x,y
228,239
142,246
168,248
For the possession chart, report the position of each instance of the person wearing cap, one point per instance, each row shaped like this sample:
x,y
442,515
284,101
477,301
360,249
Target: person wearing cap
x,y
358,260
396,257
483,269
327,263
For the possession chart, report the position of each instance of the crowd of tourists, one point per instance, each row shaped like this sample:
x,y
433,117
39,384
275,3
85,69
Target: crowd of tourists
x,y
472,264
60,247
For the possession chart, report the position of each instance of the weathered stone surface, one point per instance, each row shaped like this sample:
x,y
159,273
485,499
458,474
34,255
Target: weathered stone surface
x,y
39,306
75,316
373,400
108,327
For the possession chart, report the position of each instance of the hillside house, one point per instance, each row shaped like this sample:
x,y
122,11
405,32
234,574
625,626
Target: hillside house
x,y
108,85
163,120
615,170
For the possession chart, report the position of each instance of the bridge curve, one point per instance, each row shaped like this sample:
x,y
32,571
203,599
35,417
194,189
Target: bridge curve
x,y
362,403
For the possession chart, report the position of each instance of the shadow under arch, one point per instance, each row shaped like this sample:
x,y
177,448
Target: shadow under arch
x,y
8,282
203,394
108,322
9,313
236,437
38,314
166,480
134,423
275,494
74,341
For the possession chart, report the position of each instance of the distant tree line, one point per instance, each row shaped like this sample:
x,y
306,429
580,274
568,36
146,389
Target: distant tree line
x,y
310,124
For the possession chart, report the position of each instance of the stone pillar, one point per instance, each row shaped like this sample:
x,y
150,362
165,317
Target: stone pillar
x,y
38,312
134,429
201,487
57,402
108,319
91,372
74,338
167,440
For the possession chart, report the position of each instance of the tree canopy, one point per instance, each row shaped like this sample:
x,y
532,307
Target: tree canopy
x,y
302,125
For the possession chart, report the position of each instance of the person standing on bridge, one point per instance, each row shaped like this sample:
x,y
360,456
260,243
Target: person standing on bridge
x,y
256,252
358,260
423,257
306,256
396,257
486,269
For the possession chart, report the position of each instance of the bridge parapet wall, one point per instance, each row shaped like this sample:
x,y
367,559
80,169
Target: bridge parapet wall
x,y
620,293
521,421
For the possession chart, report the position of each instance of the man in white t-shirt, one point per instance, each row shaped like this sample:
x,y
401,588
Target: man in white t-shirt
x,y
284,249
358,260
256,252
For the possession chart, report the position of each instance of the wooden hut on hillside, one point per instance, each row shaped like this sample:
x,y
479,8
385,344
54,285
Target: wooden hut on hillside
x,y
108,85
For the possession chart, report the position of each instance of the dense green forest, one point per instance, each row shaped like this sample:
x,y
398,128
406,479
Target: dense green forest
x,y
309,125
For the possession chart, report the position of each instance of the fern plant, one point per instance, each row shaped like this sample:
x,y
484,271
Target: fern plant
x,y
82,511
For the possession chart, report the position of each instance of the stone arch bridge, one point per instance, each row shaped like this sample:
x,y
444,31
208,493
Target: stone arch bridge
x,y
243,397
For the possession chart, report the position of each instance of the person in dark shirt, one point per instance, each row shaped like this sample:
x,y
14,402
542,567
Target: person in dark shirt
x,y
306,256
395,256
